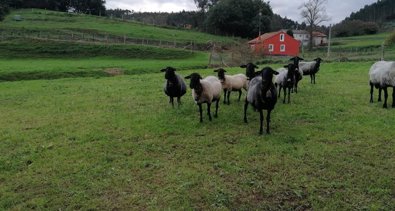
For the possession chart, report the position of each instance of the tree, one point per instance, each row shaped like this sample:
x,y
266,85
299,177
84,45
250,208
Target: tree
x,y
204,5
3,9
239,18
313,11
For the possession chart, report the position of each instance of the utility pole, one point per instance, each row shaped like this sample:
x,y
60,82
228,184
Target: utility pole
x,y
329,41
260,17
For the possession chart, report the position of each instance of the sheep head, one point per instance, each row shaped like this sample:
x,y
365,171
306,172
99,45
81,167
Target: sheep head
x,y
195,82
250,70
221,73
170,73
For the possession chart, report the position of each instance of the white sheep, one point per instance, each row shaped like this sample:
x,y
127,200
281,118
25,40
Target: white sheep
x,y
382,76
205,90
310,68
286,79
231,83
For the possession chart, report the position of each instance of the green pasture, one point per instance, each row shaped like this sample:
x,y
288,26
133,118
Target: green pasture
x,y
360,41
115,143
57,21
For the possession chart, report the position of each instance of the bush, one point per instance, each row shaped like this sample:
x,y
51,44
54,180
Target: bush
x,y
390,39
355,28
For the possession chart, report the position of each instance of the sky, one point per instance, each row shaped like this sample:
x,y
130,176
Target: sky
x,y
336,9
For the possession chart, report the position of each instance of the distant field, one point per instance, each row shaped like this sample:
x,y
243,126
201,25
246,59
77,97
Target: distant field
x,y
115,143
57,22
360,41
50,68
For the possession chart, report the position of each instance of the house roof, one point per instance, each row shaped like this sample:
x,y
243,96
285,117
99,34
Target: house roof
x,y
319,34
300,32
263,37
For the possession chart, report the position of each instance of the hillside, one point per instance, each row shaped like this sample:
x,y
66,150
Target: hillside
x,y
59,23
380,12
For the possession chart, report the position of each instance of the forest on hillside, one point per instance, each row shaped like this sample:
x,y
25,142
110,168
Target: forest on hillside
x,y
368,20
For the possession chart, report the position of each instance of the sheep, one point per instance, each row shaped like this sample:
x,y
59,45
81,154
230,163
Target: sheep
x,y
299,73
311,68
231,83
382,76
286,79
174,86
374,80
250,70
205,90
262,95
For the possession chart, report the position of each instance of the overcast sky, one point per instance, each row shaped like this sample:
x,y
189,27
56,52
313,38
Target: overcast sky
x,y
336,9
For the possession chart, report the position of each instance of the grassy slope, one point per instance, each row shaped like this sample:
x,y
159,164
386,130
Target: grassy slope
x,y
361,41
55,21
115,143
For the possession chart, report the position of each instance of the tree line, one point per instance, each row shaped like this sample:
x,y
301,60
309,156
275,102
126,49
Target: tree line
x,y
367,20
93,7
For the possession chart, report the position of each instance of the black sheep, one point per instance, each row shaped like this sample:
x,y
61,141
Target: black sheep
x,y
262,95
174,86
299,73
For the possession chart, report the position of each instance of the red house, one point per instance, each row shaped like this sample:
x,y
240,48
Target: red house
x,y
275,43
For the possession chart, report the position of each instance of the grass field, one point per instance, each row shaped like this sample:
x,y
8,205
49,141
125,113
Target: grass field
x,y
115,143
50,21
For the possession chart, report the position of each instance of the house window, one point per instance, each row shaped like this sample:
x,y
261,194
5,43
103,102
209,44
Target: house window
x,y
282,48
282,37
271,47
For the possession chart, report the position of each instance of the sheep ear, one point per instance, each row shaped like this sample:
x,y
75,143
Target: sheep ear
x,y
255,66
243,66
188,77
275,72
286,66
163,70
216,71
300,58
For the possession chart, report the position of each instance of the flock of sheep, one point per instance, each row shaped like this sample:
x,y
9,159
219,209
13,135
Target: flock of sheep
x,y
264,87
261,86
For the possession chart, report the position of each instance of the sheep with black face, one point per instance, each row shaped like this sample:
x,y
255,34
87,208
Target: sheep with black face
x,y
286,80
299,73
174,86
311,68
231,83
262,95
207,90
382,76
250,70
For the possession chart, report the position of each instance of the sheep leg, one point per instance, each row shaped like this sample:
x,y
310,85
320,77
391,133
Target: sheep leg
x,y
314,77
239,95
200,111
172,101
385,97
371,92
285,94
225,91
268,121
245,111
229,97
393,97
208,111
261,120
216,109
279,92
289,95
296,87
380,90
179,101
311,78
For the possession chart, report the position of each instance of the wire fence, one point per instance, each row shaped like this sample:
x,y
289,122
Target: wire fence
x,y
101,38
